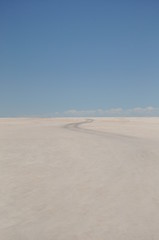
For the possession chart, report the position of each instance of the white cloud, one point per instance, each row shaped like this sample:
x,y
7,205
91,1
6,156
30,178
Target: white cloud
x,y
113,112
147,111
80,113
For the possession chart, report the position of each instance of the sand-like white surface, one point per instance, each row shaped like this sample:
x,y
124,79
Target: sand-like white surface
x,y
77,179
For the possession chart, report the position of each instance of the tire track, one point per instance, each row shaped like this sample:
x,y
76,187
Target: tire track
x,y
77,127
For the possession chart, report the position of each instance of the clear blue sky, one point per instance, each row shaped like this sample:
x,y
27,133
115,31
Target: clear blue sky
x,y
57,55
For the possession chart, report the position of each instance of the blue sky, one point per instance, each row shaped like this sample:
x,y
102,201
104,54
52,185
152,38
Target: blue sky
x,y
57,56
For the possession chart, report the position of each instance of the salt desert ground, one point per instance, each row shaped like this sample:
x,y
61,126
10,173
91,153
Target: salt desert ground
x,y
79,179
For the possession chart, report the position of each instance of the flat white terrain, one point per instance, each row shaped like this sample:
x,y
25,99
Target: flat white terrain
x,y
79,179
